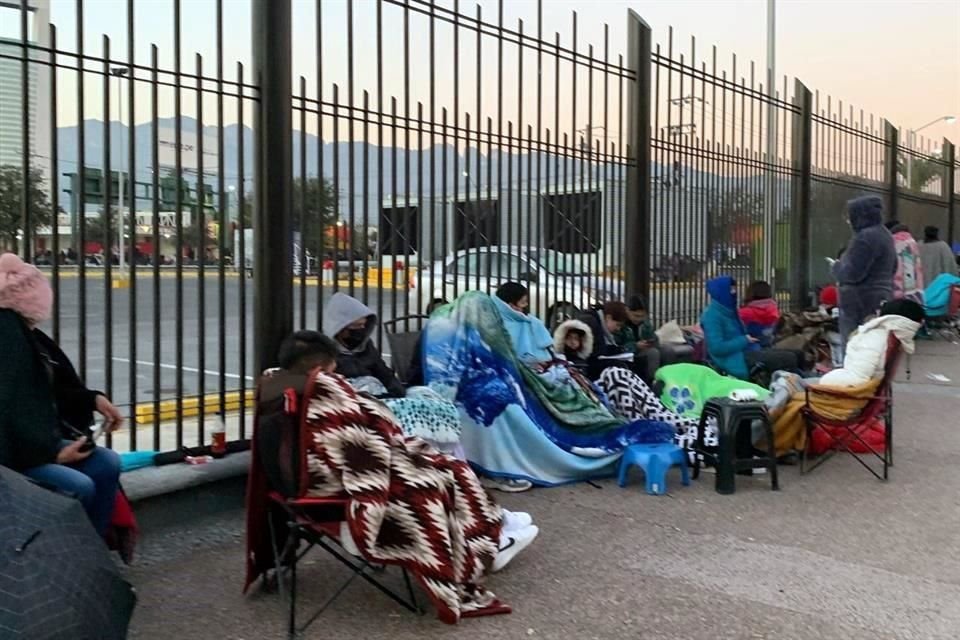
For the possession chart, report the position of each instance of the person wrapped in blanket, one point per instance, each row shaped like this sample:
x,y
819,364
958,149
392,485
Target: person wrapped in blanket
x,y
359,450
863,367
527,413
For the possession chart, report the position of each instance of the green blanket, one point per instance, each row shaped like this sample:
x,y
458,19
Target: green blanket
x,y
686,387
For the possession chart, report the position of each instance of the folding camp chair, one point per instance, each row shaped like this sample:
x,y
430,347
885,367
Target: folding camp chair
x,y
403,343
317,521
843,433
948,325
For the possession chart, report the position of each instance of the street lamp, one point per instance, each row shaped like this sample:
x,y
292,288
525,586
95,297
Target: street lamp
x,y
911,133
119,73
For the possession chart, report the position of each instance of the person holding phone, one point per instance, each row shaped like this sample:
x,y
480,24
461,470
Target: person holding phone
x,y
47,410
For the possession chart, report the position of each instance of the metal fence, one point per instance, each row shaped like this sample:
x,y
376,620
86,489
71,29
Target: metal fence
x,y
432,149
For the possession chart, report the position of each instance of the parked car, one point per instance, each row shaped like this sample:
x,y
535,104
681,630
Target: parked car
x,y
560,284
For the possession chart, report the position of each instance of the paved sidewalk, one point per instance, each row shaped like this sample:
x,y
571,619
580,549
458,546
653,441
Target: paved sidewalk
x,y
836,554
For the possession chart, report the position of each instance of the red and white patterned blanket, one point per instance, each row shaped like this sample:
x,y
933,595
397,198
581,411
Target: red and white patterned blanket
x,y
408,504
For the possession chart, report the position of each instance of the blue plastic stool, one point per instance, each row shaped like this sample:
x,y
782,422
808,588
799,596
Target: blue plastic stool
x,y
655,460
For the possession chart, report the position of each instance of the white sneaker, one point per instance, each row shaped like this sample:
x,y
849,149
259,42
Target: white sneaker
x,y
516,521
513,543
507,485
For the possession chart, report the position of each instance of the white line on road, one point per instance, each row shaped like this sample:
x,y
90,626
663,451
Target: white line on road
x,y
164,365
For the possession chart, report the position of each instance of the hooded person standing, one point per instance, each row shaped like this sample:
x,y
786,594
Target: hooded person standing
x,y
351,323
936,255
866,269
908,282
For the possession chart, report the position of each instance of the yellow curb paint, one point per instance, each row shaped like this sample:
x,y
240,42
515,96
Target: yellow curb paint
x,y
146,411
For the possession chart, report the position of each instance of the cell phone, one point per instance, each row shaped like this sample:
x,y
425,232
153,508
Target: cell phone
x,y
96,433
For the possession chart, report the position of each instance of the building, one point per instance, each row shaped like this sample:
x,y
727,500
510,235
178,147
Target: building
x,y
12,100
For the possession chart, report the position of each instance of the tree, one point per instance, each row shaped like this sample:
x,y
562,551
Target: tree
x,y
11,219
318,216
922,172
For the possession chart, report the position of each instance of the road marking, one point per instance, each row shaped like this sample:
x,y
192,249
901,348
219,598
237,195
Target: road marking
x,y
164,365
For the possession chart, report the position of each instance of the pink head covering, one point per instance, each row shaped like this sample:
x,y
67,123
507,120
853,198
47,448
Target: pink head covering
x,y
24,289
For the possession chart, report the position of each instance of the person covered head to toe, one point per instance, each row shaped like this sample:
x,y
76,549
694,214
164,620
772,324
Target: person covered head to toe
x,y
515,295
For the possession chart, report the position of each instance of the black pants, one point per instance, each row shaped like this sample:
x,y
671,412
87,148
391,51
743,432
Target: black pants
x,y
775,359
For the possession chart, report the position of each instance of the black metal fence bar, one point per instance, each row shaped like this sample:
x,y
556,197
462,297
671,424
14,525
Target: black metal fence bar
x,y
585,172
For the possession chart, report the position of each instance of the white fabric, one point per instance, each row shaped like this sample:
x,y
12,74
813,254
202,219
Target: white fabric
x,y
867,350
671,333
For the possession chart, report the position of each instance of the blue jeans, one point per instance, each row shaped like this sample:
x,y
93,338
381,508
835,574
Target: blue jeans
x,y
94,481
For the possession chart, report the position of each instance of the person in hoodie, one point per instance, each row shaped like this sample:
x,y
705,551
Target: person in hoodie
x,y
760,314
908,282
866,354
728,344
936,256
574,340
351,324
865,271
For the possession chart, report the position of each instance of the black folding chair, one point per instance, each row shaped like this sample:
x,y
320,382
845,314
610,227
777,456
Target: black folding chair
x,y
317,521
403,335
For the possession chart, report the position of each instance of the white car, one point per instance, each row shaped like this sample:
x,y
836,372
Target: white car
x,y
560,284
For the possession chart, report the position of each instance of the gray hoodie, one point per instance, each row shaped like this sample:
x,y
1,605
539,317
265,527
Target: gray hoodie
x,y
364,359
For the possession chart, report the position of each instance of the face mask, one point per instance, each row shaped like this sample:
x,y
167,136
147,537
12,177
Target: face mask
x,y
355,338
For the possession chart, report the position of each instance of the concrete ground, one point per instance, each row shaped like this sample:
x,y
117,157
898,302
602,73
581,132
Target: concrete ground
x,y
834,554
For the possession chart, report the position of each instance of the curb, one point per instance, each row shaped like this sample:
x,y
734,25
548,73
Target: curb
x,y
146,412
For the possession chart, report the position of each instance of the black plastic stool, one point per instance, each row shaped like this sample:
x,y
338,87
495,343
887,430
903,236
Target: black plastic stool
x,y
731,439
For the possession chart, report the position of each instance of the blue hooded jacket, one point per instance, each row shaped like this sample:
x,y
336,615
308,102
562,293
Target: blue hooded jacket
x,y
722,329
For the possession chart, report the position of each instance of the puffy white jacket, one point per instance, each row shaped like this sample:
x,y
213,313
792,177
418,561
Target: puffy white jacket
x,y
867,350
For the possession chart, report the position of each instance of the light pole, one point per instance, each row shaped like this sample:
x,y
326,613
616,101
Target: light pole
x,y
119,73
911,133
770,218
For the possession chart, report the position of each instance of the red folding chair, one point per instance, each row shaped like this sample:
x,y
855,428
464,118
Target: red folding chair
x,y
317,521
843,433
291,521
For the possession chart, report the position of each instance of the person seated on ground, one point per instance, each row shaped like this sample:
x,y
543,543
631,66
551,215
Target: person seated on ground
x,y
936,255
637,333
438,522
728,344
352,323
527,413
574,340
760,314
605,323
46,410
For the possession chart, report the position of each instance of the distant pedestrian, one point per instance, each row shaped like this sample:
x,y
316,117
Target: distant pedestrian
x,y
936,255
865,271
908,282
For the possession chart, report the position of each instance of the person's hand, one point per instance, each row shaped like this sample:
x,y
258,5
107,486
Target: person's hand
x,y
752,340
644,344
113,420
831,261
71,453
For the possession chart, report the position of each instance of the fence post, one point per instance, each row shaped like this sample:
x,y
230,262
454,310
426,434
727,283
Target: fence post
x,y
949,158
802,161
638,245
891,139
273,171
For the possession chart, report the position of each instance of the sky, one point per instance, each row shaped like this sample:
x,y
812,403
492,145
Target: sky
x,y
896,59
